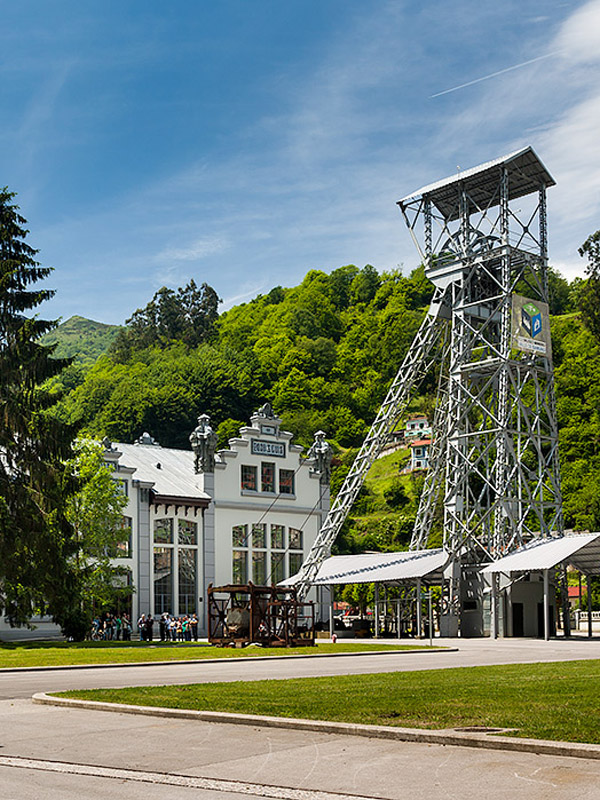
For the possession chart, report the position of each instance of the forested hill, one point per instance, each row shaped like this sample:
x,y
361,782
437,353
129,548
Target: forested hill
x,y
323,353
82,339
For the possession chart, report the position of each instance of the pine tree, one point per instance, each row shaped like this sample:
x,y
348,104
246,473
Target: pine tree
x,y
35,537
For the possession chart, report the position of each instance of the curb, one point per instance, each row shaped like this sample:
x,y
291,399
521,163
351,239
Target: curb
x,y
116,665
444,737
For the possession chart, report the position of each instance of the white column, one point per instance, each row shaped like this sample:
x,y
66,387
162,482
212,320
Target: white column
x,y
494,608
377,611
546,609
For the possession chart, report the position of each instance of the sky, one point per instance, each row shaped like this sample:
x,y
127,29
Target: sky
x,y
245,143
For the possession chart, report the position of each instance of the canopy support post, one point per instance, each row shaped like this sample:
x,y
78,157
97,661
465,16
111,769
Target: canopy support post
x,y
419,610
546,608
588,581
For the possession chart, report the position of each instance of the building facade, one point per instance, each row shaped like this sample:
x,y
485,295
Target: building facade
x,y
205,516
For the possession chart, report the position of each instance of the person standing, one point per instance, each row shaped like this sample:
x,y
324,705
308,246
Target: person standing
x,y
162,626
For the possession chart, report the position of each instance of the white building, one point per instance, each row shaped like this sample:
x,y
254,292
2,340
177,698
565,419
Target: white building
x,y
417,427
201,516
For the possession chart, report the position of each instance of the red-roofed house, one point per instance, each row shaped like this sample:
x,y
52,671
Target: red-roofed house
x,y
419,453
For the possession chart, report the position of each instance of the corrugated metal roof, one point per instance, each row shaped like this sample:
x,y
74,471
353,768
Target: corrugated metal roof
x,y
581,550
526,174
175,477
380,567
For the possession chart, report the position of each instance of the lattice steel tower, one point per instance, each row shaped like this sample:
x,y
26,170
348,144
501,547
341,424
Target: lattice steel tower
x,y
482,236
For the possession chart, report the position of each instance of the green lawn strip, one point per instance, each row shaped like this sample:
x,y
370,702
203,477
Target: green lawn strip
x,y
557,701
51,654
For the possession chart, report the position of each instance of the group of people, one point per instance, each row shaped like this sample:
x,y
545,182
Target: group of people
x,y
170,628
112,627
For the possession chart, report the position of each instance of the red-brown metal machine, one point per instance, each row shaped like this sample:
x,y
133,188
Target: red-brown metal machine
x,y
266,615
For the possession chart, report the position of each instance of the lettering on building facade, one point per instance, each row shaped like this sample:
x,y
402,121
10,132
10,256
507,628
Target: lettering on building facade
x,y
260,448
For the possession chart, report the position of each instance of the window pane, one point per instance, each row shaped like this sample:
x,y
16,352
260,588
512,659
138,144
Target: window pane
x,y
295,563
295,539
277,567
163,580
286,481
187,581
249,478
240,567
188,531
122,485
123,548
259,568
163,531
267,477
239,536
123,584
259,534
277,537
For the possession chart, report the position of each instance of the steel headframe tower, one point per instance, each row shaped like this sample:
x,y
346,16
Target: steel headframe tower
x,y
483,238
495,448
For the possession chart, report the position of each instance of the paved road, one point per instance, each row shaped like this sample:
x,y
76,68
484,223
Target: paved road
x,y
63,739
80,755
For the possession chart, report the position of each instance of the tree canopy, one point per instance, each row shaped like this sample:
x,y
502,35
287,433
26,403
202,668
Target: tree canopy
x,y
187,315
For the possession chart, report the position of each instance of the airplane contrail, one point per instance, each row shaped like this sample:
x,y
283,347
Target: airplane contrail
x,y
493,75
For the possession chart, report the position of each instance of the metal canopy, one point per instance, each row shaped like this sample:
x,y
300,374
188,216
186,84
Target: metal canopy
x,y
526,174
581,551
382,567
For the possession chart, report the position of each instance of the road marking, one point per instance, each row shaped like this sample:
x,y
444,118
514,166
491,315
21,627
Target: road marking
x,y
169,779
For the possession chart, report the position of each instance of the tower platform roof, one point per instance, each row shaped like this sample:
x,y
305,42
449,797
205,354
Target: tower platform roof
x,y
526,174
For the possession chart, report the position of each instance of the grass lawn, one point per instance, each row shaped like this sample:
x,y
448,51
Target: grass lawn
x,y
49,654
558,701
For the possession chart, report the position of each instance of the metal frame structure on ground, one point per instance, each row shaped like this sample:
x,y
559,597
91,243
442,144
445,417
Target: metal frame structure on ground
x,y
482,236
266,615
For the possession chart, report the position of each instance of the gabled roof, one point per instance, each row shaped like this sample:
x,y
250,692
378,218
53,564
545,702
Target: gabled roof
x,y
526,174
170,471
581,550
420,442
380,567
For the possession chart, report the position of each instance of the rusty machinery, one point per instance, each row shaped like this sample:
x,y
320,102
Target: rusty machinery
x,y
268,615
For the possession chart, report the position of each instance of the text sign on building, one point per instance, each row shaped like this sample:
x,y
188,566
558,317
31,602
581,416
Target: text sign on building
x,y
531,326
259,448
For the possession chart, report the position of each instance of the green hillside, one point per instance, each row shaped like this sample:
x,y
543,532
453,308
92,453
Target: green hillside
x,y
82,339
323,353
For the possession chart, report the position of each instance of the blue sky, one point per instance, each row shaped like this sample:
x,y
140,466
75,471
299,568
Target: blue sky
x,y
244,143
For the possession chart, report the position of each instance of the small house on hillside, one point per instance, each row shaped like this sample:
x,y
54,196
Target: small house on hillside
x,y
417,427
419,454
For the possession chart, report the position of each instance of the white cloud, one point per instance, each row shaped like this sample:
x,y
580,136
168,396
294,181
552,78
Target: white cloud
x,y
196,250
571,146
579,37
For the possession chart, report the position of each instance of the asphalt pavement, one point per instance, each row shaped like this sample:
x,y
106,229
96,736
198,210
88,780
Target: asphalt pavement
x,y
49,753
